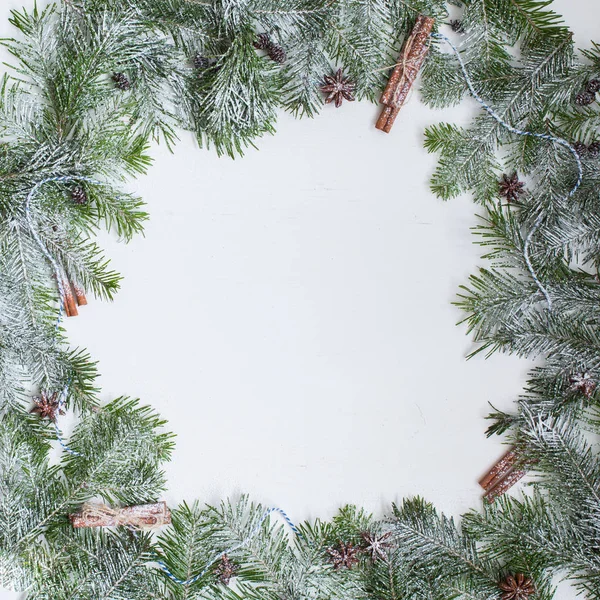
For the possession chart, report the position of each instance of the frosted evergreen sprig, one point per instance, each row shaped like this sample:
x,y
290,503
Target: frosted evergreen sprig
x,y
64,119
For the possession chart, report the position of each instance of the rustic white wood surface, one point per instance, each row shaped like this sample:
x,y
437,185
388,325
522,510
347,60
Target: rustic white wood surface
x,y
290,314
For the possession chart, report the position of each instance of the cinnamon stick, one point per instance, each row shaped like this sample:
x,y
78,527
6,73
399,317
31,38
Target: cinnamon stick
x,y
505,484
140,517
68,299
386,118
79,295
499,470
403,76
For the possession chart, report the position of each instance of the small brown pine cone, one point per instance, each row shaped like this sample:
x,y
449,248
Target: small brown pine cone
x,y
79,195
200,62
121,81
594,149
585,98
276,53
262,42
593,86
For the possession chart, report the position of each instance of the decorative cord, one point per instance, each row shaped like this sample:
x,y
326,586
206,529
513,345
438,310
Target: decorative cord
x,y
542,136
245,542
61,291
38,239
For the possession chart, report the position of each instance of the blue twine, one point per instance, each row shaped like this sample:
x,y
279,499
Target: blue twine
x,y
245,542
61,290
542,136
38,239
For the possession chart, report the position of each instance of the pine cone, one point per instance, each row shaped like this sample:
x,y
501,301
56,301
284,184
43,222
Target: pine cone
x,y
585,98
226,570
200,62
263,41
580,148
593,86
594,149
276,53
79,195
121,81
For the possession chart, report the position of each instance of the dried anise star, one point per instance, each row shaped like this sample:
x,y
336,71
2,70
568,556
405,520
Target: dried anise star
x,y
457,26
376,546
517,587
511,188
345,555
337,87
584,383
47,406
226,570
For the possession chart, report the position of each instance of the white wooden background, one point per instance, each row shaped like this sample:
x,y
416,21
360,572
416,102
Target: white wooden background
x,y
290,314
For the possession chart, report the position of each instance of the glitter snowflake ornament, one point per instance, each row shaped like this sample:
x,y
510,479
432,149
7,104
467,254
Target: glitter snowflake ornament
x,y
517,587
584,383
344,556
376,546
47,406
338,88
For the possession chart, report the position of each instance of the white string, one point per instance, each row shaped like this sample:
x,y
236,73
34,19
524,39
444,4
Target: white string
x,y
245,542
61,291
543,136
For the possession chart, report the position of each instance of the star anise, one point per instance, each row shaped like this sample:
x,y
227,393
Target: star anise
x,y
226,570
47,406
516,587
337,87
511,188
376,546
584,383
457,26
345,555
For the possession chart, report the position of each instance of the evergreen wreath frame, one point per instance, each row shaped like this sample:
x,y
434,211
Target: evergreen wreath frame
x,y
94,82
